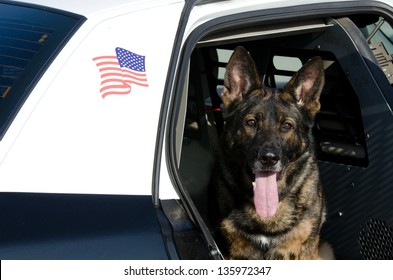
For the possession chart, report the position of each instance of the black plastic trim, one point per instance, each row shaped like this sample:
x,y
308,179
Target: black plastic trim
x,y
186,237
79,226
167,234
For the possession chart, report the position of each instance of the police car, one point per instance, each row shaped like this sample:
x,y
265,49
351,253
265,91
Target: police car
x,y
110,115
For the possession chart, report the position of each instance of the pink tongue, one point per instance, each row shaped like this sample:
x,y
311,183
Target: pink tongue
x,y
265,194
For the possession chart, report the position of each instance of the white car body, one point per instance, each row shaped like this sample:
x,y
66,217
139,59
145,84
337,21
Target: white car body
x,y
67,138
80,133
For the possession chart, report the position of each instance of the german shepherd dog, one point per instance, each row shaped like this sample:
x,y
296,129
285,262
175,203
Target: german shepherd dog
x,y
267,200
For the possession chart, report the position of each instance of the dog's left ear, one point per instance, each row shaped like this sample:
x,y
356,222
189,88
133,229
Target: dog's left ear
x,y
241,77
306,86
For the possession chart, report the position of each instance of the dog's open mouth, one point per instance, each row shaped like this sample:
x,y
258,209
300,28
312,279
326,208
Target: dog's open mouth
x,y
266,193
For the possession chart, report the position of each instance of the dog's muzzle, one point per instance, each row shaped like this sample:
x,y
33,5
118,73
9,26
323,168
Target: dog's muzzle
x,y
267,171
267,159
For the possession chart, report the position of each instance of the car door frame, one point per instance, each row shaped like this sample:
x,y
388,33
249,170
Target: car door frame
x,y
177,76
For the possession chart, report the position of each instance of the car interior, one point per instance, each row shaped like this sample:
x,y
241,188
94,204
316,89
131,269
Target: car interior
x,y
350,129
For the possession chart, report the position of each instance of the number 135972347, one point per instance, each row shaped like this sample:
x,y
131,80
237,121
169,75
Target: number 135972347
x,y
243,270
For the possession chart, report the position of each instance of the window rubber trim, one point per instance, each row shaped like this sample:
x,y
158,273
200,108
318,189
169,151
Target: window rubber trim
x,y
171,83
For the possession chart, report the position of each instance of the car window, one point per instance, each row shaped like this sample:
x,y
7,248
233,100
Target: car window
x,y
379,35
355,96
29,40
339,128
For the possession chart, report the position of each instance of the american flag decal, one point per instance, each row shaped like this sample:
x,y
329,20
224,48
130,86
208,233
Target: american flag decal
x,y
119,72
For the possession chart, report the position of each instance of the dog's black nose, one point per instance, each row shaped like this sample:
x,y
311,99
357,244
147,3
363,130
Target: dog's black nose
x,y
268,157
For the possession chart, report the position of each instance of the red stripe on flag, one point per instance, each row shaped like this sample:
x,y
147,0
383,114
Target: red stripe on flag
x,y
116,79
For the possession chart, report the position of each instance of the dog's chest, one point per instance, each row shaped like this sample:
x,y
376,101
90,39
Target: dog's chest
x,y
262,240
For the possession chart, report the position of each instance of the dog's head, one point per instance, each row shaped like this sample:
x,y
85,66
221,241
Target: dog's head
x,y
269,128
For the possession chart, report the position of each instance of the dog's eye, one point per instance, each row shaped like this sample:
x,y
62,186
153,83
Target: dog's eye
x,y
251,122
287,126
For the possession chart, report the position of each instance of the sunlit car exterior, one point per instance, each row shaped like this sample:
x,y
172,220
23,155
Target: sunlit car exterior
x,y
110,115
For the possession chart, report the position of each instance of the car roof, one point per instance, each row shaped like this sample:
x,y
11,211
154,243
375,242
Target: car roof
x,y
90,7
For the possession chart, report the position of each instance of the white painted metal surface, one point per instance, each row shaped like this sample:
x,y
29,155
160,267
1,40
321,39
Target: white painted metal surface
x,y
67,138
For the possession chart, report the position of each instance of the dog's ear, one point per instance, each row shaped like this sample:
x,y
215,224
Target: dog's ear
x,y
306,86
241,77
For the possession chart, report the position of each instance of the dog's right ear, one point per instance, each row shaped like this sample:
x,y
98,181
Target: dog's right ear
x,y
241,77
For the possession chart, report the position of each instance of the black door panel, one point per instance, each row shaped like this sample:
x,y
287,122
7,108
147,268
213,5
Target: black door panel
x,y
62,226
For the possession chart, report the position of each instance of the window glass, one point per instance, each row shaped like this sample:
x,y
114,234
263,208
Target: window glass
x,y
379,31
379,35
30,38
